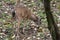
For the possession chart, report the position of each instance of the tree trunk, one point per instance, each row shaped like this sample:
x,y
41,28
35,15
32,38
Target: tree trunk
x,y
52,26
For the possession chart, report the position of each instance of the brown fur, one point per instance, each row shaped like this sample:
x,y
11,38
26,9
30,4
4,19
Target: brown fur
x,y
22,12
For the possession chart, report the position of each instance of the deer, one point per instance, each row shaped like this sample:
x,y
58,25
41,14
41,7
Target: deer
x,y
22,12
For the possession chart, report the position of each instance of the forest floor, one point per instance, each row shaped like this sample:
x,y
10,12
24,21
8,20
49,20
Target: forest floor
x,y
29,30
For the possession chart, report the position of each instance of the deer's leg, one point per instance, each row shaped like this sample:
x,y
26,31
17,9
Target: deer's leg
x,y
18,19
18,29
18,23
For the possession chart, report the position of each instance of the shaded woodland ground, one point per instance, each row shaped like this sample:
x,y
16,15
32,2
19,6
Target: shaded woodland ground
x,y
29,30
